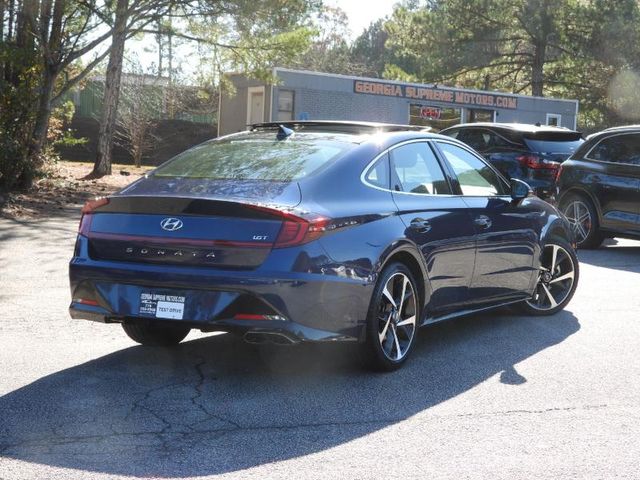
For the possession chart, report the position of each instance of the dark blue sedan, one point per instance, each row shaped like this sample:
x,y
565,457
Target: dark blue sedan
x,y
319,231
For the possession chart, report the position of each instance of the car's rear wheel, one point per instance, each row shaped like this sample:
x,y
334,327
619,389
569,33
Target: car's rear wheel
x,y
557,279
583,218
392,320
155,334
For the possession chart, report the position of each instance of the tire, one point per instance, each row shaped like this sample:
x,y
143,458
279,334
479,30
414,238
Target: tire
x,y
586,231
557,282
392,324
155,334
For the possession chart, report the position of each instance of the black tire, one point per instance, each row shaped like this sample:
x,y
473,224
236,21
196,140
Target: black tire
x,y
155,334
391,325
550,283
587,233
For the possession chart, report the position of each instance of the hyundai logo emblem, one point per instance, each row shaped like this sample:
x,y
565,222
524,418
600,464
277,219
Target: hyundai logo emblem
x,y
171,224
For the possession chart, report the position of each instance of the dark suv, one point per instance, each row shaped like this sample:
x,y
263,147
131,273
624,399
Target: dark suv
x,y
526,152
599,187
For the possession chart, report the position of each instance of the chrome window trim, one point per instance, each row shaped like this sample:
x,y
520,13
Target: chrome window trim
x,y
607,137
370,165
453,142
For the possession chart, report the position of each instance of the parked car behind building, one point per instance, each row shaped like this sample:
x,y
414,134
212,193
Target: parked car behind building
x,y
526,152
599,187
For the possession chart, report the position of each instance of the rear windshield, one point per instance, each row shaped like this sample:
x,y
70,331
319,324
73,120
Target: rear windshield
x,y
546,146
258,156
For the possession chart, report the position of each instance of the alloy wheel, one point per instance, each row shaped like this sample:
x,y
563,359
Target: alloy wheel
x,y
555,280
580,219
397,317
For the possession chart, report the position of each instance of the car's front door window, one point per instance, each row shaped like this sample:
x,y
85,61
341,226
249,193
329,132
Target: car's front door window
x,y
475,177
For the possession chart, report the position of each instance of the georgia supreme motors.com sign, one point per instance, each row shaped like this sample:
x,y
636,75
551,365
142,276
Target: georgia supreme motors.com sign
x,y
444,95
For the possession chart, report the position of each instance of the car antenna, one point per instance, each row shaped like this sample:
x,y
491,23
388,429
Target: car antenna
x,y
284,132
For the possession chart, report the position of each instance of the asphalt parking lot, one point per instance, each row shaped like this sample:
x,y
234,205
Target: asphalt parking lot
x,y
491,396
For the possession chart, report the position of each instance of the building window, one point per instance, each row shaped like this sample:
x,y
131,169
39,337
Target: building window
x,y
553,119
436,117
285,104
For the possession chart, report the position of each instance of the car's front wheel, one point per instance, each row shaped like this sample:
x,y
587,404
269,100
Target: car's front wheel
x,y
155,334
392,320
557,279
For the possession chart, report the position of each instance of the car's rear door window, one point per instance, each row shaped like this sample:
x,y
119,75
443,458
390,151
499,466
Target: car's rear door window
x,y
258,156
415,169
475,177
618,149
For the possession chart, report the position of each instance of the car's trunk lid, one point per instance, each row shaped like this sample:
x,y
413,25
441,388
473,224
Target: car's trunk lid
x,y
183,231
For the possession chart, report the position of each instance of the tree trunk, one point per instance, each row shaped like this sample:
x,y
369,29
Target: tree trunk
x,y
44,113
537,69
26,24
40,128
160,47
11,16
50,32
544,13
102,165
2,8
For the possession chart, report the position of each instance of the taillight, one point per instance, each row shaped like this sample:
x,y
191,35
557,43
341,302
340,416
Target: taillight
x,y
558,173
87,210
297,230
87,301
536,163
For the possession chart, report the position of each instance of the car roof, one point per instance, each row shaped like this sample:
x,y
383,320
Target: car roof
x,y
620,129
382,134
514,127
333,126
623,127
360,134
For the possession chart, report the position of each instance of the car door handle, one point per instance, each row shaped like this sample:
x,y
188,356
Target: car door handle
x,y
420,224
483,221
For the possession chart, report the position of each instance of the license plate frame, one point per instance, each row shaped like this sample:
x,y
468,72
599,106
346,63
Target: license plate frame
x,y
162,305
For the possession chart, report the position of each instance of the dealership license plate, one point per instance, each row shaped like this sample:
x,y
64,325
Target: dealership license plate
x,y
162,306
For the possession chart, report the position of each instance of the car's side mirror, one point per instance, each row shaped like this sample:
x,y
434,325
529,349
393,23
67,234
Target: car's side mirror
x,y
520,189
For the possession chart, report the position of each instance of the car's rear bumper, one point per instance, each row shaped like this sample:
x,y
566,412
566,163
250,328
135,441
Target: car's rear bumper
x,y
263,331
302,306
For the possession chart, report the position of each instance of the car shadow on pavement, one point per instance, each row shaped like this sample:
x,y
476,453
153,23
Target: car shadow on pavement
x,y
216,405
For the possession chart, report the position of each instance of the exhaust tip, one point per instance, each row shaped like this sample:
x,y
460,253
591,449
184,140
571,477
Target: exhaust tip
x,y
275,338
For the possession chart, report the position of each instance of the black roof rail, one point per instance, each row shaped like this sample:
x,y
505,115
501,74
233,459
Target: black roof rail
x,y
339,126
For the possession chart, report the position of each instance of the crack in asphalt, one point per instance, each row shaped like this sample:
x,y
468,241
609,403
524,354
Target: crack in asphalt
x,y
195,400
534,412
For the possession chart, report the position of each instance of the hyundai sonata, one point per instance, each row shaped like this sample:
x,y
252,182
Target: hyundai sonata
x,y
316,232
